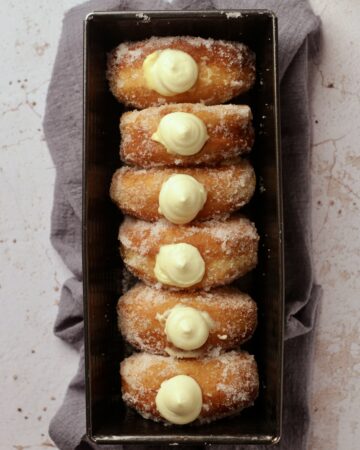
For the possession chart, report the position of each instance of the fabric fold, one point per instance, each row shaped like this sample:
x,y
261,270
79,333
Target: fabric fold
x,y
63,133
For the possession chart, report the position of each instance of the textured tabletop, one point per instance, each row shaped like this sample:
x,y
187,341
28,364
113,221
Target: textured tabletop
x,y
36,366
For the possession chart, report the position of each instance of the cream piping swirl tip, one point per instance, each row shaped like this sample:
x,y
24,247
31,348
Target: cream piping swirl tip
x,y
181,133
181,198
179,399
179,265
187,328
170,72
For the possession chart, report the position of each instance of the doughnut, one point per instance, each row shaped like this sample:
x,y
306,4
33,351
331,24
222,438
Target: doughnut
x,y
227,187
179,69
224,385
229,129
145,313
197,256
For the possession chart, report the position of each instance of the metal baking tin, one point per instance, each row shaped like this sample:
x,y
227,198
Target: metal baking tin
x,y
108,419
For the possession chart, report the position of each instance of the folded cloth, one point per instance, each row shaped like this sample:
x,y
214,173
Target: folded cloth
x,y
63,131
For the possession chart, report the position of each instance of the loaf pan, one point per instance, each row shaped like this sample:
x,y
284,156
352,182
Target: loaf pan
x,y
108,420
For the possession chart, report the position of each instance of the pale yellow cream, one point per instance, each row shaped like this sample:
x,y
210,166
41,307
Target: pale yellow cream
x,y
170,72
181,198
179,265
181,133
187,328
179,399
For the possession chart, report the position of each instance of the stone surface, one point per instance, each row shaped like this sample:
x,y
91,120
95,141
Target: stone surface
x,y
335,218
36,366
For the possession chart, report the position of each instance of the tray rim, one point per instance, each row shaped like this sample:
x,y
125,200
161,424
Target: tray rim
x,y
171,439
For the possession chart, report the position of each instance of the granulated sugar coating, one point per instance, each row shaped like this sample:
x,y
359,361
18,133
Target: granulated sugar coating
x,y
142,313
229,128
229,382
228,247
228,244
228,188
226,69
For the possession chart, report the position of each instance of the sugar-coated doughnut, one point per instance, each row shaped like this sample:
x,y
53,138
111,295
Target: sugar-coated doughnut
x,y
228,248
143,310
136,192
225,70
229,383
229,129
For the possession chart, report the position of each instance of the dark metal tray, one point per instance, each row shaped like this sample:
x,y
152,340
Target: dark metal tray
x,y
108,420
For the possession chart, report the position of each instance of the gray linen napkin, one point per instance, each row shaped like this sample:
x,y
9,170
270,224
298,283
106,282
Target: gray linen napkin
x,y
63,125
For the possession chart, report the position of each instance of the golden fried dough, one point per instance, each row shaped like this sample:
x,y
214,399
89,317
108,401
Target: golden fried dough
x,y
225,70
229,382
228,126
228,248
142,308
136,192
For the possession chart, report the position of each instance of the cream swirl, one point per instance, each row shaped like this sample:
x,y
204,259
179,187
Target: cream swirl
x,y
179,399
187,328
181,198
170,72
179,265
181,133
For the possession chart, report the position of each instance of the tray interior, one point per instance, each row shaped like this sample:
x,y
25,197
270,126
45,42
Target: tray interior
x,y
108,420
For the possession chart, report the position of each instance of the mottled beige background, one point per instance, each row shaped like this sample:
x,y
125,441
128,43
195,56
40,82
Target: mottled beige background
x,y
336,220
35,366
